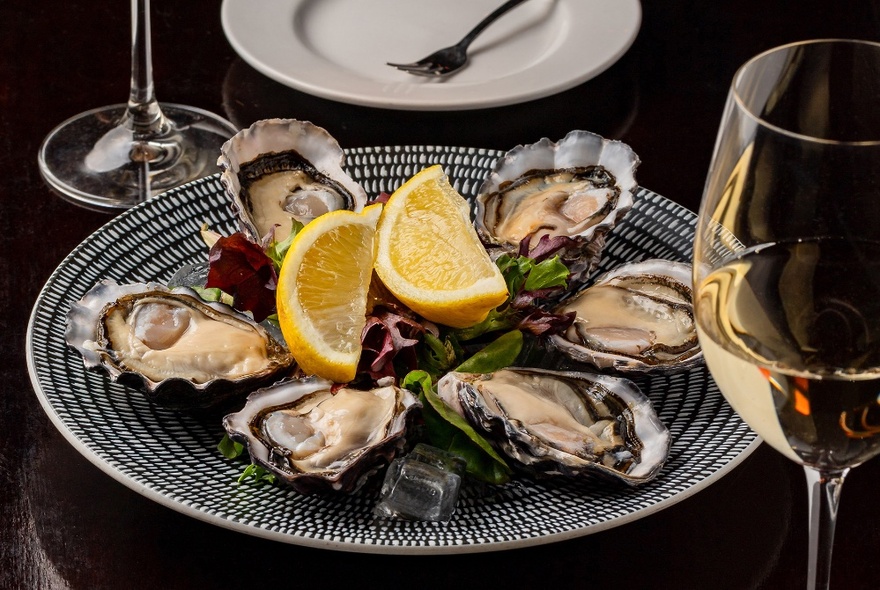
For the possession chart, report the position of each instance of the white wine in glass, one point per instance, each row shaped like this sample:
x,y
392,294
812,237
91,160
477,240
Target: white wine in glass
x,y
117,156
787,264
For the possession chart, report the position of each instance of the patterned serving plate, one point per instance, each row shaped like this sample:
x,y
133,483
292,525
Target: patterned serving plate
x,y
171,457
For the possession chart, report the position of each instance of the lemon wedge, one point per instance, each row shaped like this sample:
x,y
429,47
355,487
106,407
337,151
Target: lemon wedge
x,y
322,291
430,256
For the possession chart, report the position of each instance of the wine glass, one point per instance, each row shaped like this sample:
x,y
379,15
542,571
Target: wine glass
x,y
787,263
117,156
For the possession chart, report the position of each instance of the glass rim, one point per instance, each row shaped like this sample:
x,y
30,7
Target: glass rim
x,y
740,72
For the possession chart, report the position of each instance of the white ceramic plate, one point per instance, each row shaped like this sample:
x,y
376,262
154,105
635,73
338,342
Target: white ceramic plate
x,y
171,457
338,49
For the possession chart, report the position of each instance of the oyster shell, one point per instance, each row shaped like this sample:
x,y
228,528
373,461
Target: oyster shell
x,y
563,423
575,190
315,439
183,352
636,317
278,170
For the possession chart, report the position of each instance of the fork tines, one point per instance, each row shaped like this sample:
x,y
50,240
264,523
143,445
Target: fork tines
x,y
419,69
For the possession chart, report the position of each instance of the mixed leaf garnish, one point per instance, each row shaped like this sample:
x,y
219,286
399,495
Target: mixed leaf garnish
x,y
245,271
252,473
448,431
397,343
242,269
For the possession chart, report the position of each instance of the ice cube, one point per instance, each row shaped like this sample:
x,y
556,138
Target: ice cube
x,y
423,485
438,458
190,275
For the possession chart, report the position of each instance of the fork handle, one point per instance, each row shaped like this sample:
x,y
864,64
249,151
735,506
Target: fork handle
x,y
481,26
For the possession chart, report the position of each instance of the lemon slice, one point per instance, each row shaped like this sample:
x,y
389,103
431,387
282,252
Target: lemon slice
x,y
322,291
430,256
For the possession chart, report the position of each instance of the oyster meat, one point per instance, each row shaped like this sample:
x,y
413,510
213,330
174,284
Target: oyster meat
x,y
181,351
575,191
316,439
280,170
637,317
563,423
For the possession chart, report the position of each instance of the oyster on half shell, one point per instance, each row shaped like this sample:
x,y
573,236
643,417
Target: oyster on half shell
x,y
575,190
315,438
638,317
563,423
183,352
279,170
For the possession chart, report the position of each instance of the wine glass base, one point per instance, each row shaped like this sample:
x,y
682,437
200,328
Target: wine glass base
x,y
94,161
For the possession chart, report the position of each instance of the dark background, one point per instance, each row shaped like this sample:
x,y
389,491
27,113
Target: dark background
x,y
65,524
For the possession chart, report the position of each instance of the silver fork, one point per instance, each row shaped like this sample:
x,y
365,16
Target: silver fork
x,y
451,59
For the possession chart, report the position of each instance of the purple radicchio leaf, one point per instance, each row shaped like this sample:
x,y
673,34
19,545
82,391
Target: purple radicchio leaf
x,y
241,268
545,248
544,323
388,337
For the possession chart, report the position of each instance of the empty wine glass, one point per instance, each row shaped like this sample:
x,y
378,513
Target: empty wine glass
x,y
787,263
117,156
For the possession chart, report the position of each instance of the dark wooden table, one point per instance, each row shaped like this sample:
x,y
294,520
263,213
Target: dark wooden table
x,y
65,524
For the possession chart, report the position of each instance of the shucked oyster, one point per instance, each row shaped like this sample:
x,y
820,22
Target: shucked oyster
x,y
181,351
279,170
575,190
567,423
315,439
637,317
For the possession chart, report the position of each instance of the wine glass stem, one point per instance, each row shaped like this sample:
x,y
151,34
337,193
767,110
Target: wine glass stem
x,y
145,117
824,494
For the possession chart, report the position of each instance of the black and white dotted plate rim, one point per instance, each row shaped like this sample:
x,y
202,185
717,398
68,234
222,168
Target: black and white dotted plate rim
x,y
172,459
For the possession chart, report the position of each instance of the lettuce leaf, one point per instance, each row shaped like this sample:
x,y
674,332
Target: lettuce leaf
x,y
448,431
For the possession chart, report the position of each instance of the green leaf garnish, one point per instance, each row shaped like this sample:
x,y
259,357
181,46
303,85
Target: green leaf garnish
x,y
437,356
498,319
521,274
258,474
547,274
514,270
253,472
213,294
230,448
449,431
500,353
277,250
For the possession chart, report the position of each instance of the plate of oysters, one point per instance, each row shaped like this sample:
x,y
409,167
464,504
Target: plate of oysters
x,y
602,419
